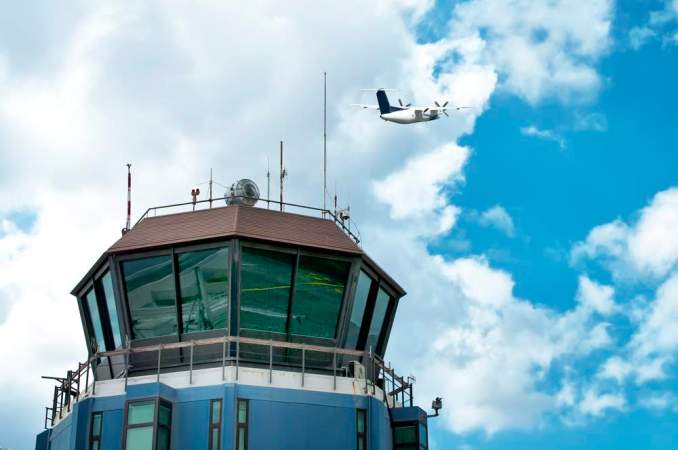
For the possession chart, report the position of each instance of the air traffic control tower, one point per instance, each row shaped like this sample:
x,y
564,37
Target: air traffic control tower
x,y
235,328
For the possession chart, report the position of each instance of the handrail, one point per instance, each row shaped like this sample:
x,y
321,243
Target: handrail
x,y
397,390
353,234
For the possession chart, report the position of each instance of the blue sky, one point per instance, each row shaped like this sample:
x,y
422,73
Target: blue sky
x,y
536,231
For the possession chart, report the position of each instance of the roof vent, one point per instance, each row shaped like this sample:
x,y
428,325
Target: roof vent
x,y
243,192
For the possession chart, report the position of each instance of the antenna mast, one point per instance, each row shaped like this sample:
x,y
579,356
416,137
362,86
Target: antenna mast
x,y
324,142
210,187
283,174
128,223
268,181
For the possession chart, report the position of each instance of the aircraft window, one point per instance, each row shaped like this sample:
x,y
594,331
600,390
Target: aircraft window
x,y
380,308
266,279
203,278
361,292
151,297
319,290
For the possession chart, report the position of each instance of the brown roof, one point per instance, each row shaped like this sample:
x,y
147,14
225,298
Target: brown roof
x,y
244,221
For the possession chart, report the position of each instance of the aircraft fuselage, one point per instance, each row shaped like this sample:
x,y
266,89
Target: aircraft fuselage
x,y
405,116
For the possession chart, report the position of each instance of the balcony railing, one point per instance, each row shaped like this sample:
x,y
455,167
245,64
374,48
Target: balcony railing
x,y
235,352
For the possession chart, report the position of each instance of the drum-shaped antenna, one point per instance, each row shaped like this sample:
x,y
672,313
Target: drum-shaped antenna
x,y
243,192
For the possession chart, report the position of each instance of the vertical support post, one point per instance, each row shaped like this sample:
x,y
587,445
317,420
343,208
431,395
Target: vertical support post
x,y
157,378
282,176
126,366
61,401
303,365
190,368
223,359
334,368
87,375
237,360
324,142
54,403
270,361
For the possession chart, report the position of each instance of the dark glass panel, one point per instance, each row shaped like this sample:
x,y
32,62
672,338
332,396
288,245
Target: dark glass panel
x,y
151,296
203,277
142,412
94,316
361,421
95,445
163,439
165,415
319,289
423,435
406,435
140,438
380,308
109,297
361,292
265,289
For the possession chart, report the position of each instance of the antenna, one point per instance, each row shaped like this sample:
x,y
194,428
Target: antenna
x,y
128,223
268,188
210,188
283,174
324,142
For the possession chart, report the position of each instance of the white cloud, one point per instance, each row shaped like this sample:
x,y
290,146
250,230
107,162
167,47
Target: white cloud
x,y
596,404
498,218
615,368
639,36
596,296
648,247
547,135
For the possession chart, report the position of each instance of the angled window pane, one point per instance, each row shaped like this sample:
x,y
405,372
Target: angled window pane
x,y
139,438
319,290
242,411
107,288
380,308
423,436
141,412
216,412
164,415
203,277
151,296
163,439
265,289
215,439
360,300
241,439
96,424
406,435
93,309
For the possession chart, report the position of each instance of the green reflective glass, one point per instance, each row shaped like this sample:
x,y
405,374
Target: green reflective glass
x,y
362,290
94,316
361,445
203,278
361,421
107,288
165,415
242,411
406,435
96,424
265,289
241,439
151,296
140,438
216,411
380,308
319,290
215,438
95,445
142,412
163,439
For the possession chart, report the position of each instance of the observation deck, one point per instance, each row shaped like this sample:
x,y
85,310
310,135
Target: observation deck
x,y
240,298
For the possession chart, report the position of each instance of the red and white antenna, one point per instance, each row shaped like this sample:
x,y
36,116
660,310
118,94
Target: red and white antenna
x,y
128,224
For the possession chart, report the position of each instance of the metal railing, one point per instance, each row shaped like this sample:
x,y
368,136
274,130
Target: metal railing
x,y
347,226
234,351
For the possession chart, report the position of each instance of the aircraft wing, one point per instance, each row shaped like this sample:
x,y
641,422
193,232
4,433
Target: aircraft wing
x,y
365,106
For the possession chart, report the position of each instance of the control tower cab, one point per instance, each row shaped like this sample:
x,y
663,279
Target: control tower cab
x,y
235,327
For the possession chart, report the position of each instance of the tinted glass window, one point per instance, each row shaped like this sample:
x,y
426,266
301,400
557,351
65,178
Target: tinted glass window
x,y
151,297
380,307
203,277
319,289
265,289
406,435
109,298
141,412
95,318
360,300
140,438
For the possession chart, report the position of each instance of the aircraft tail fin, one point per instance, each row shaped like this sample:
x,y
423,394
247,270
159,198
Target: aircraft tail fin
x,y
384,106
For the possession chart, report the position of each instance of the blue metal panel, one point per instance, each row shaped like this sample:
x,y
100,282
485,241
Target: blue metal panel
x,y
190,425
111,429
42,440
408,414
60,438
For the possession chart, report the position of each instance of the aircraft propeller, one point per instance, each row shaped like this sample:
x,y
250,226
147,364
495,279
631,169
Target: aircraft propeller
x,y
404,106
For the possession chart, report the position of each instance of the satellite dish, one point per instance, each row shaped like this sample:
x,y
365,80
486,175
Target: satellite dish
x,y
243,192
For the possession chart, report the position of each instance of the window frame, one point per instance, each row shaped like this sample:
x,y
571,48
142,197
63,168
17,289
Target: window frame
x,y
417,444
217,425
244,425
92,437
155,424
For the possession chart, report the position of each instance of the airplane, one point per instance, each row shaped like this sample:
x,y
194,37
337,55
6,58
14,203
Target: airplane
x,y
406,114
